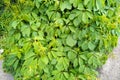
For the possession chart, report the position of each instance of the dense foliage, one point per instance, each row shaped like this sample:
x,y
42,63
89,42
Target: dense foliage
x,y
1,10
59,39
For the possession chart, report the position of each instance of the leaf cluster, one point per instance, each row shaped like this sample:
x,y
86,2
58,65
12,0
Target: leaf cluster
x,y
59,39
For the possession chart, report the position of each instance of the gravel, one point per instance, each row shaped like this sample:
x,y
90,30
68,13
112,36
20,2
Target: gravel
x,y
111,70
4,76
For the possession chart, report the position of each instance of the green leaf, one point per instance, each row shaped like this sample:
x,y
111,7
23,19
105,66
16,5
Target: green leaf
x,y
58,76
16,63
62,77
75,63
91,5
45,60
90,61
17,36
66,63
40,61
72,16
37,3
72,28
92,29
54,72
49,14
50,56
26,46
36,47
32,64
75,2
28,61
41,35
66,75
70,41
65,5
72,77
46,70
81,61
76,21
86,2
100,4
90,15
81,77
25,30
87,70
85,18
80,6
84,46
53,54
59,54
59,22
59,65
91,46
19,55
71,55
62,64
29,54
81,68
14,24
34,15
12,58
54,61
35,26
83,57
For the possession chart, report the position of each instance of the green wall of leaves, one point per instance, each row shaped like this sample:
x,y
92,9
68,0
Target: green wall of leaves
x,y
59,39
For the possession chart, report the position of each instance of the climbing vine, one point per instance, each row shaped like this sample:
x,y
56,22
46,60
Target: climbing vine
x,y
59,39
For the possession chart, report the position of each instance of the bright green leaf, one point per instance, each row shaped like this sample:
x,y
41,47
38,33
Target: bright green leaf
x,y
72,16
70,41
86,2
76,21
71,55
91,46
14,24
84,46
65,5
75,63
80,6
85,18
45,60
